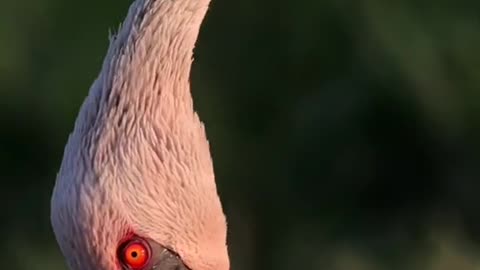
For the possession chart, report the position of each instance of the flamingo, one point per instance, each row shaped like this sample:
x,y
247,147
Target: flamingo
x,y
136,187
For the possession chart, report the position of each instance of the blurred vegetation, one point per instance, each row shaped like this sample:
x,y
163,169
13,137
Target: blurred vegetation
x,y
345,134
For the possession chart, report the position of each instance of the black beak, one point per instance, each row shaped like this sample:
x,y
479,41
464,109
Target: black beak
x,y
165,258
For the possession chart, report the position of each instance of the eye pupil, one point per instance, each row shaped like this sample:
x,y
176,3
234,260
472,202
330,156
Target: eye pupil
x,y
134,254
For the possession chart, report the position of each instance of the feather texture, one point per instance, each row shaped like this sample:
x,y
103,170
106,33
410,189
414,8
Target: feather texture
x,y
138,158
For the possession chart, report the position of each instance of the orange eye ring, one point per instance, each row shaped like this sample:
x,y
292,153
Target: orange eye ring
x,y
135,255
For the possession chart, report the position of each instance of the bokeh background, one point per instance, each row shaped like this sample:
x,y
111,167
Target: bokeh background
x,y
345,134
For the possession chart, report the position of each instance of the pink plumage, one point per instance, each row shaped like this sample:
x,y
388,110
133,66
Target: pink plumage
x,y
138,161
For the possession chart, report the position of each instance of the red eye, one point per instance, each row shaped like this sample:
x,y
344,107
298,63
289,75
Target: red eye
x,y
135,254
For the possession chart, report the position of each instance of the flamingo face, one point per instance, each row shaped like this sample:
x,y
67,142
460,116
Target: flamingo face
x,y
136,188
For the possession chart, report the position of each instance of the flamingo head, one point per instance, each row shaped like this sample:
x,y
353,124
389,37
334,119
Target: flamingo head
x,y
136,187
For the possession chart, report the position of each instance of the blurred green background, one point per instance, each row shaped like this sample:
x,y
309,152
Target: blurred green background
x,y
345,134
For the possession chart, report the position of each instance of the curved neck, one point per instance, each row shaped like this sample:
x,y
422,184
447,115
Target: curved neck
x,y
148,63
